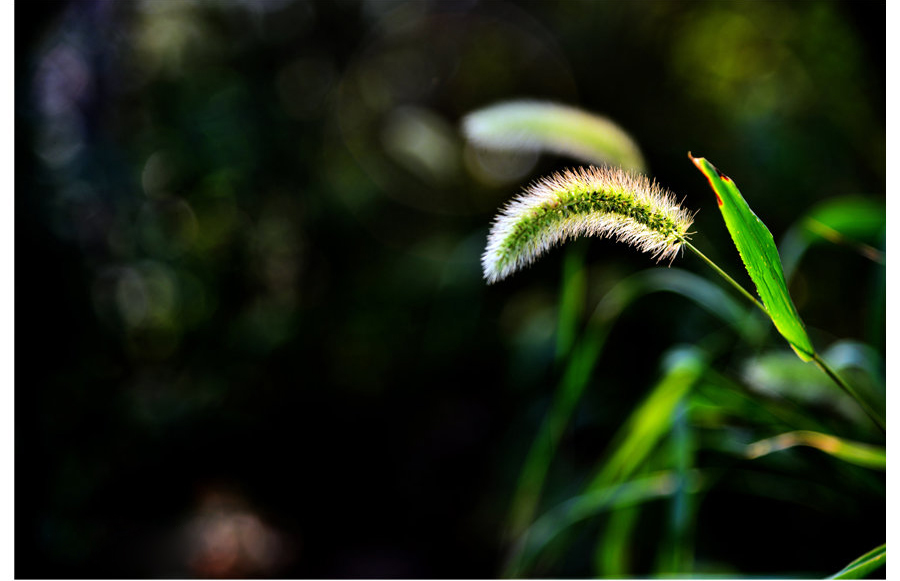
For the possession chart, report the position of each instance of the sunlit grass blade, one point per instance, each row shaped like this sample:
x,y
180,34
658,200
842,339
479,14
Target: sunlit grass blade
x,y
863,566
780,374
864,362
857,453
530,484
760,256
612,555
573,290
580,366
652,419
675,556
720,400
631,447
851,221
542,126
625,494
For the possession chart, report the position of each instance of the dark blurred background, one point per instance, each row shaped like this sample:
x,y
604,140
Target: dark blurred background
x,y
252,338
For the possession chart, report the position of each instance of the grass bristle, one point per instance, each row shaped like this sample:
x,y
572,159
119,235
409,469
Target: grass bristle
x,y
584,202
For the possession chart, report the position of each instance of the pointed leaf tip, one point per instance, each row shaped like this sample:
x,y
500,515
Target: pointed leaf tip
x,y
704,166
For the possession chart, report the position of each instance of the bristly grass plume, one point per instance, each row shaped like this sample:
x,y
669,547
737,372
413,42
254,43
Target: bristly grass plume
x,y
585,202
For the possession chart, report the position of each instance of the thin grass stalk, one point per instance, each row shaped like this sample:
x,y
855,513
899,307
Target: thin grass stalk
x,y
725,276
817,359
873,415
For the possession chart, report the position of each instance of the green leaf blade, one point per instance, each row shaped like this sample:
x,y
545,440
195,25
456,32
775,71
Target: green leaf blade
x,y
757,249
864,565
583,359
866,455
653,418
853,221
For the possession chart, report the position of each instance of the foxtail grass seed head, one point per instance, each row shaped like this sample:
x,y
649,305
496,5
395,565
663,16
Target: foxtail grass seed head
x,y
584,202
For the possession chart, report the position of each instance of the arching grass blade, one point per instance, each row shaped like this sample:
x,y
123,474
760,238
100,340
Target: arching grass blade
x,y
864,565
857,453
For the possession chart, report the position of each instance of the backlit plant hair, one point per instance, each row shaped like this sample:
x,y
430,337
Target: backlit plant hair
x,y
585,202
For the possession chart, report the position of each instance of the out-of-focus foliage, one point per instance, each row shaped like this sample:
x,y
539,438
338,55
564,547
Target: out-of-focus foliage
x,y
862,454
252,337
863,566
537,126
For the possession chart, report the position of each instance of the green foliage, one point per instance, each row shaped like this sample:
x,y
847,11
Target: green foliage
x,y
249,231
628,494
653,455
640,434
757,249
850,221
571,299
616,484
580,366
854,452
864,565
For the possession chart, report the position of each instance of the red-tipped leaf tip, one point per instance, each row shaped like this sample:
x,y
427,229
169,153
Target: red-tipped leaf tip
x,y
697,162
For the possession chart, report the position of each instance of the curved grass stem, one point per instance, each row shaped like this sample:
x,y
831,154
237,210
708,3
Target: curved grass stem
x,y
724,275
817,359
